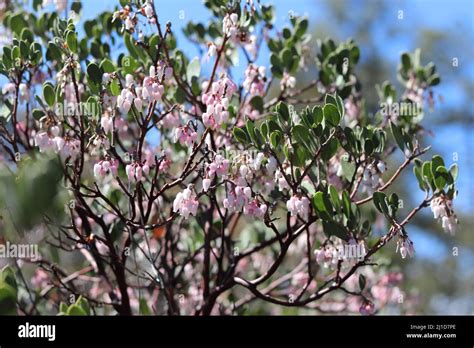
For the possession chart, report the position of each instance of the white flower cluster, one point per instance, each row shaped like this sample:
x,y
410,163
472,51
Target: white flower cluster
x,y
405,245
298,206
186,203
230,25
327,256
371,177
287,82
442,210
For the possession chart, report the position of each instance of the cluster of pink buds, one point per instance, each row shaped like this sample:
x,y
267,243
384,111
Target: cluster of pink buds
x,y
68,148
386,289
255,208
9,90
405,245
137,172
105,167
186,135
152,88
219,166
147,10
217,102
327,256
280,179
49,141
186,203
237,196
352,111
251,46
287,82
371,176
125,100
230,25
442,209
298,206
414,92
254,82
367,308
70,90
211,50
107,123
126,15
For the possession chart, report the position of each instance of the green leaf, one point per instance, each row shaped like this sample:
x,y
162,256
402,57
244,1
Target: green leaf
x,y
275,60
333,194
276,138
287,58
17,23
406,62
76,7
240,135
436,161
331,114
301,135
53,52
301,27
442,177
24,50
71,40
193,69
129,64
107,66
348,168
368,147
393,199
332,228
127,38
8,291
7,300
154,43
257,103
83,304
76,310
143,307
454,171
330,149
63,308
27,35
251,131
434,80
421,182
37,114
115,88
362,282
48,94
322,205
427,174
7,276
318,115
380,202
94,73
264,130
398,135
346,204
282,109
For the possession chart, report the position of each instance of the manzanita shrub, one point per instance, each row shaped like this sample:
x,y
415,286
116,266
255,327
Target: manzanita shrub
x,y
155,182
